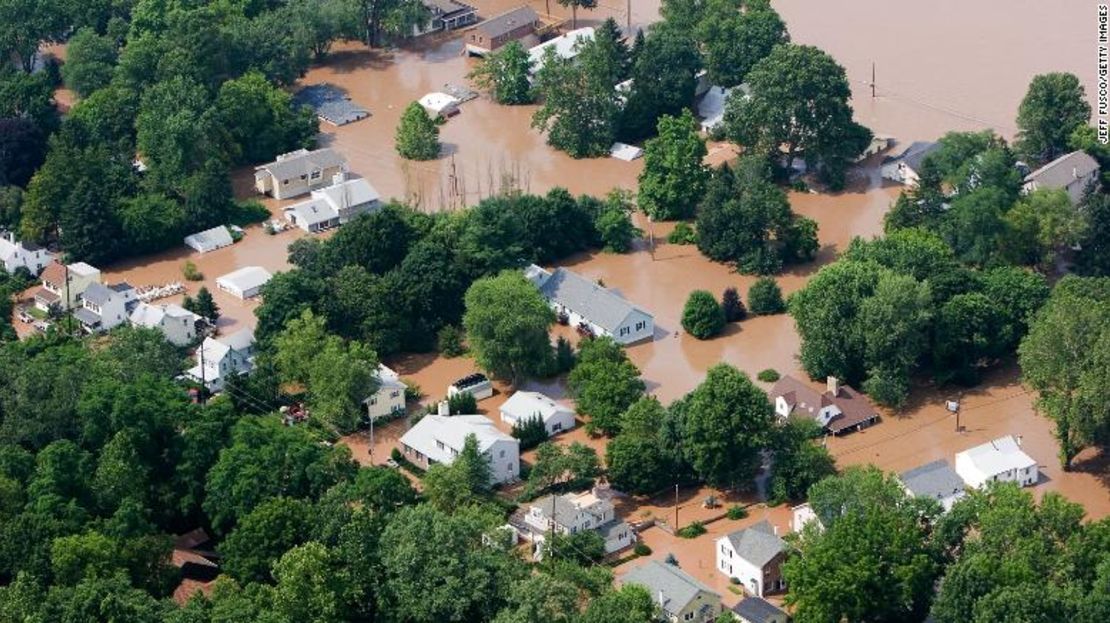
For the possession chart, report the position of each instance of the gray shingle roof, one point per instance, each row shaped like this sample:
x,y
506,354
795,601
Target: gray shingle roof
x,y
915,154
934,480
756,610
97,293
677,586
598,304
758,544
1063,170
303,162
565,511
507,21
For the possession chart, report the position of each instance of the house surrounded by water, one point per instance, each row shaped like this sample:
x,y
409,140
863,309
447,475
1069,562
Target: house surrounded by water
x,y
1073,173
936,481
334,205
585,304
905,168
513,25
1000,460
298,172
839,409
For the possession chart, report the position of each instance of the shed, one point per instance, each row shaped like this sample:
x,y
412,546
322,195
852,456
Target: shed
x,y
244,283
441,104
626,152
524,405
210,239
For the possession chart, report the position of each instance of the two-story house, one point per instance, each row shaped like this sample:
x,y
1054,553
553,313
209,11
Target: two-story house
x,y
334,205
440,439
1001,460
389,399
178,324
754,556
219,358
574,513
1073,173
298,172
104,308
840,409
679,597
16,254
63,285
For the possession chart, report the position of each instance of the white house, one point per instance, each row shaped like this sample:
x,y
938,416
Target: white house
x,y
585,304
565,46
754,556
16,254
905,168
936,481
839,409
244,283
802,515
525,405
335,205
439,439
219,358
389,399
446,15
440,104
679,596
574,513
1073,173
104,308
210,239
62,285
298,172
998,460
176,323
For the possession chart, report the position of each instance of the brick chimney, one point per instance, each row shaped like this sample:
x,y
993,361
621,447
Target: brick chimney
x,y
832,385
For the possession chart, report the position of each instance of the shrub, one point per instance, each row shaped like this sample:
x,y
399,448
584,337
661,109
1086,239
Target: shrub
x,y
413,392
641,549
190,271
691,531
564,355
765,297
682,233
770,375
247,212
462,403
417,135
450,341
736,512
396,455
733,306
531,432
702,317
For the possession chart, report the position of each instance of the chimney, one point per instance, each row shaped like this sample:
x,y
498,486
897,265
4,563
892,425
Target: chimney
x,y
661,600
1019,440
774,529
443,408
339,178
1075,172
832,385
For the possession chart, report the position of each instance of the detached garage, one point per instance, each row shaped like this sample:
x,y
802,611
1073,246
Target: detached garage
x,y
244,283
523,405
209,239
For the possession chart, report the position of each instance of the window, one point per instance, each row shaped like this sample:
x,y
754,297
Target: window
x,y
689,616
640,325
373,400
394,394
502,454
624,330
317,174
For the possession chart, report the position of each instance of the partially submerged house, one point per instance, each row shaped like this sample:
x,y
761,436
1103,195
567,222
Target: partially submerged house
x,y
220,358
839,409
936,481
334,205
244,283
63,284
446,15
565,46
523,406
389,399
1073,173
905,168
331,104
585,304
177,324
573,513
758,610
440,439
210,239
513,25
298,172
753,556
439,104
1001,460
104,308
16,254
679,597
711,106
477,385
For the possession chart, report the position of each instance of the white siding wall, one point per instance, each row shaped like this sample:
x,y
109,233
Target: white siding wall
x,y
385,401
504,460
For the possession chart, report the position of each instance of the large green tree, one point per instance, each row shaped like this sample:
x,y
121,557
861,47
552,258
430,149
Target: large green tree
x,y
673,179
663,82
90,62
507,323
417,136
505,74
579,110
1053,107
604,384
735,35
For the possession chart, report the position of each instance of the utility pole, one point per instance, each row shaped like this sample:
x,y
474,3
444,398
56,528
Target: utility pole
x,y
203,382
676,508
629,17
872,80
651,236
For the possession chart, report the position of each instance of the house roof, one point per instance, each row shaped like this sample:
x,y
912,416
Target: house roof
x,y
565,46
246,278
82,269
524,404
452,431
711,108
914,155
313,212
758,544
1063,170
241,340
998,456
854,408
348,193
598,304
86,316
389,379
677,587
447,7
933,480
301,162
612,529
55,272
210,239
10,247
330,103
99,294
508,21
756,610
147,315
561,508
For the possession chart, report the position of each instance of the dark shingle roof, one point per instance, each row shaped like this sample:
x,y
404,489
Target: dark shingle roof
x,y
915,154
756,610
678,588
758,544
934,480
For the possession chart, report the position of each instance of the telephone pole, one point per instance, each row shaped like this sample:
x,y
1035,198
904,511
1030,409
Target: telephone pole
x,y
872,80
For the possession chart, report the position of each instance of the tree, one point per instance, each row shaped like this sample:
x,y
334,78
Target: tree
x,y
636,460
1093,257
24,24
582,548
575,467
340,376
663,82
574,4
530,431
296,347
312,585
896,320
702,316
1053,107
614,226
968,336
579,111
877,543
728,423
90,62
263,535
204,306
765,297
417,135
630,603
1063,358
392,17
1040,225
798,101
22,151
540,598
604,384
674,177
506,322
178,133
261,119
733,306
736,35
799,461
505,74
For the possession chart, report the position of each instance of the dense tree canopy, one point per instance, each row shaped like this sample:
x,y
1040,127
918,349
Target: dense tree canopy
x,y
673,179
1053,107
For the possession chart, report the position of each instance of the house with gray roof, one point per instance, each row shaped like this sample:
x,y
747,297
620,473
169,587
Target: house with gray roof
x,y
210,239
298,172
440,439
517,24
679,597
757,610
104,308
905,168
16,254
591,307
937,481
574,513
754,556
1073,173
221,358
446,15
